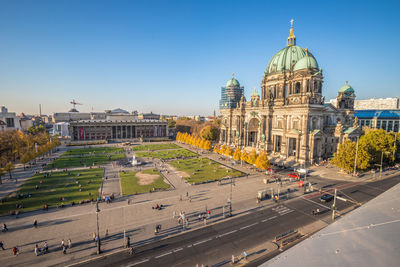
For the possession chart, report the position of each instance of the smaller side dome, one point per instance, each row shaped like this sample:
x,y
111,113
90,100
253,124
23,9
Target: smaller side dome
x,y
305,63
233,83
347,89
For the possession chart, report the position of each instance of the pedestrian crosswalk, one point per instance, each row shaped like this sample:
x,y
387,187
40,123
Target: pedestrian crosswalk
x,y
282,210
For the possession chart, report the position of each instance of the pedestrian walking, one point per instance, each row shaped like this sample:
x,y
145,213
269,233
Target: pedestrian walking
x,y
245,255
15,251
35,224
69,243
2,245
64,250
94,236
4,228
36,250
45,247
128,242
62,243
106,235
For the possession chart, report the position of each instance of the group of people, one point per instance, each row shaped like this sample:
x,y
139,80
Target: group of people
x,y
41,250
65,246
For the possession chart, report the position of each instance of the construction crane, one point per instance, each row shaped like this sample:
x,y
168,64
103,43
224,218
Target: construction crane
x,y
74,103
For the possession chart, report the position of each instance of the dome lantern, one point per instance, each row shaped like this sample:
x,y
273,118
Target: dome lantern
x,y
291,40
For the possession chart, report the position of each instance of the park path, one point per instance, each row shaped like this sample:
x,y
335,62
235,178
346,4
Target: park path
x,y
111,180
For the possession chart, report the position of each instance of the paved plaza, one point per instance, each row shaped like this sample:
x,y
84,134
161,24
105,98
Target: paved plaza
x,y
134,216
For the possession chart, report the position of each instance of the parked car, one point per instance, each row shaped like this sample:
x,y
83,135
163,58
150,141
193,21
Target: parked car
x,y
326,198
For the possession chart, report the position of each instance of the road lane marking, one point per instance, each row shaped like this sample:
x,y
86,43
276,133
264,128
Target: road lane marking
x,y
273,217
250,225
200,242
178,249
136,263
228,233
287,212
189,246
162,255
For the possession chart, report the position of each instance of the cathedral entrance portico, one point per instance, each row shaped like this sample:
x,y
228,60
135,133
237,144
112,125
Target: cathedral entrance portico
x,y
252,137
277,139
292,151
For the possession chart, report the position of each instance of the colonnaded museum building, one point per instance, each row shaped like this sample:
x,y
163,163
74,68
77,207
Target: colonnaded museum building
x,y
290,120
118,125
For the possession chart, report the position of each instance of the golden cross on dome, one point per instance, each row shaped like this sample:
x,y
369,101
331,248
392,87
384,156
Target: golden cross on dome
x,y
291,22
233,74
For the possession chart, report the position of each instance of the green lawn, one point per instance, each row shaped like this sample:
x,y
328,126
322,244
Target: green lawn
x,y
53,188
129,182
154,147
93,150
203,169
81,161
167,154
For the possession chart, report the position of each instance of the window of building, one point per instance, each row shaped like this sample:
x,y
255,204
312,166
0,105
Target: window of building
x,y
367,122
362,123
297,90
384,125
390,126
378,124
396,126
10,122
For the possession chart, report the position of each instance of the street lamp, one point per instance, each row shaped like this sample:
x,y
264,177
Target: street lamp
x,y
386,152
230,199
98,234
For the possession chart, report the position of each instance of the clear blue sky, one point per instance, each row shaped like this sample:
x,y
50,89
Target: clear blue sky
x,y
172,57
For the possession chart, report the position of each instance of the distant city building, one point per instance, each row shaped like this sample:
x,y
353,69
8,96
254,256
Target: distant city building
x,y
389,120
61,129
11,120
148,116
374,103
289,119
75,116
26,121
3,126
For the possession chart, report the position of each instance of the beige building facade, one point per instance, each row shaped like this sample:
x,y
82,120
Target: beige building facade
x,y
290,119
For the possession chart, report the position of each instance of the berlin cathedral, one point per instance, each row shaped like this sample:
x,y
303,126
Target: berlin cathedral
x,y
290,119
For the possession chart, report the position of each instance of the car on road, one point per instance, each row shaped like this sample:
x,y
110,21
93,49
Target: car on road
x,y
294,175
326,198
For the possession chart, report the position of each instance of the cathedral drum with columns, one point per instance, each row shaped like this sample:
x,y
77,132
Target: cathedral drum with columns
x,y
290,120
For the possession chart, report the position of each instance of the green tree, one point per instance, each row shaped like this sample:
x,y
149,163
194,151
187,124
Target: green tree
x,y
8,168
210,133
171,123
2,173
26,158
345,156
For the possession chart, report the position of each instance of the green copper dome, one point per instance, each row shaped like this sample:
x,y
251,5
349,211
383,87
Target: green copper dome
x,y
346,89
287,58
233,83
306,62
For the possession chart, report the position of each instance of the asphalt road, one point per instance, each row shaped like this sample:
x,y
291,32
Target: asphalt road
x,y
214,245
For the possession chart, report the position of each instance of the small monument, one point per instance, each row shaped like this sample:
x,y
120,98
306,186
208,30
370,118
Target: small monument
x,y
135,162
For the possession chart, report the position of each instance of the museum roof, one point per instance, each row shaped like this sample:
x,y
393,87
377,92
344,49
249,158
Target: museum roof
x,y
380,114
